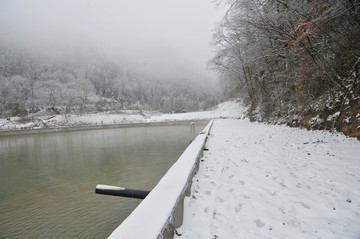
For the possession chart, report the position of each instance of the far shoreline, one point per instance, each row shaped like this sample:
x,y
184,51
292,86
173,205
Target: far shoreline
x,y
19,132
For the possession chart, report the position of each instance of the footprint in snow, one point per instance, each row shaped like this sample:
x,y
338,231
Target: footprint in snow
x,y
242,182
206,210
259,223
274,193
282,184
238,208
219,199
304,205
208,192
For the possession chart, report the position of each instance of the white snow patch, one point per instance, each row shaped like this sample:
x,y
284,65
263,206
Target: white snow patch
x,y
271,181
109,187
316,120
230,109
333,116
347,119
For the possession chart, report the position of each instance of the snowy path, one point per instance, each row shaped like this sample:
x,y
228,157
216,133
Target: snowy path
x,y
266,181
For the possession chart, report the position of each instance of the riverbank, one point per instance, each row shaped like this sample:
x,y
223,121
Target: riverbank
x,y
270,181
98,127
105,120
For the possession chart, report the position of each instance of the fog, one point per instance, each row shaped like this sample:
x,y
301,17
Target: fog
x,y
163,37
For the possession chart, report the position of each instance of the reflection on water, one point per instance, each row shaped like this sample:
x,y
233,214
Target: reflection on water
x,y
47,182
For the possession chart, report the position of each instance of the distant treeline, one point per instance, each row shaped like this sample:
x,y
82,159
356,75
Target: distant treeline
x,y
288,58
31,82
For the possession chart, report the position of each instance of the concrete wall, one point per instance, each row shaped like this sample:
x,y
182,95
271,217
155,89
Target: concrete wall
x,y
95,127
161,212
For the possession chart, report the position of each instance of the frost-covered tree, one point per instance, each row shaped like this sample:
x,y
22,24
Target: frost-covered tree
x,y
30,83
284,55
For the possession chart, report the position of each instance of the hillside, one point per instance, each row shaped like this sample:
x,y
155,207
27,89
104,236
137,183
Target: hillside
x,y
293,62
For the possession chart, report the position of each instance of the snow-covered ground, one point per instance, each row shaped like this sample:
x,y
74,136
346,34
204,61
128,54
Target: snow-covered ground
x,y
270,181
231,109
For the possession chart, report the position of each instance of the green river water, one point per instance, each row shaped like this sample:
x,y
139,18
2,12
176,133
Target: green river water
x,y
47,181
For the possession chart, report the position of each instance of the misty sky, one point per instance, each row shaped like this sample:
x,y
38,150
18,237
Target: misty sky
x,y
161,34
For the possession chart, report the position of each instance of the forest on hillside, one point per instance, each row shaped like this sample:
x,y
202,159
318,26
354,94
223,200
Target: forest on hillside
x,y
32,82
294,62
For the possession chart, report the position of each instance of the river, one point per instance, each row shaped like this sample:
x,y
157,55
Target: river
x,y
47,181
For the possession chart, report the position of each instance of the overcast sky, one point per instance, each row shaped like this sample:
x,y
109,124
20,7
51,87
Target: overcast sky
x,y
133,31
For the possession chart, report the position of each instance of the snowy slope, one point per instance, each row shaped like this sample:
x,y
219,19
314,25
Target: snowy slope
x,y
266,181
231,109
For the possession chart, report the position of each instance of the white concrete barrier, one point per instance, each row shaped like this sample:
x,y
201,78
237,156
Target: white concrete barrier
x,y
162,210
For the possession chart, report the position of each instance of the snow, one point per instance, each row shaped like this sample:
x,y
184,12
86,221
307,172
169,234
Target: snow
x,y
109,187
154,211
254,180
347,119
72,120
333,116
316,120
271,181
231,109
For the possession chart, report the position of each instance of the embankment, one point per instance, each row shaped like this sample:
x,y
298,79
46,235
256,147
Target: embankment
x,y
161,212
95,127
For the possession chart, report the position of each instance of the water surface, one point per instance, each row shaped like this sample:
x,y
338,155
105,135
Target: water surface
x,y
47,182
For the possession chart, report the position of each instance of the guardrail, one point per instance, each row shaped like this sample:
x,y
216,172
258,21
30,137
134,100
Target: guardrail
x,y
161,212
